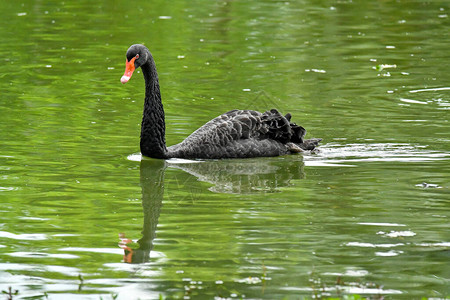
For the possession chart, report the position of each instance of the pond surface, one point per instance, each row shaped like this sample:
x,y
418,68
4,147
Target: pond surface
x,y
83,217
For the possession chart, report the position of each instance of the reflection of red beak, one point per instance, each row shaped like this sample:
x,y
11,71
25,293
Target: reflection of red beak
x,y
129,69
128,252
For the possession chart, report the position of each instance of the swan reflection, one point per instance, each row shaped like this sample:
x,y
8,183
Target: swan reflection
x,y
226,176
152,185
245,176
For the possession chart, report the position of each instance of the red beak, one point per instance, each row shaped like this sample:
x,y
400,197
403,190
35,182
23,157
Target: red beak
x,y
129,69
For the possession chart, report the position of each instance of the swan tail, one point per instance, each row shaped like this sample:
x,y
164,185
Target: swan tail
x,y
310,144
281,128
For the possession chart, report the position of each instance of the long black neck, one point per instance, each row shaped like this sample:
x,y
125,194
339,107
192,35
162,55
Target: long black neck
x,y
153,128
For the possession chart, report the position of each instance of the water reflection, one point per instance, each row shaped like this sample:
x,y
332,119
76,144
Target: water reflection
x,y
245,176
152,184
226,176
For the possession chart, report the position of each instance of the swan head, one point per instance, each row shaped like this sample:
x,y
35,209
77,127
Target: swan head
x,y
137,55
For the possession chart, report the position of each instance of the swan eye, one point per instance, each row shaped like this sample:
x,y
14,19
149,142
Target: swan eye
x,y
137,56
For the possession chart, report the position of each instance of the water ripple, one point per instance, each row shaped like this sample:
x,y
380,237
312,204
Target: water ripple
x,y
42,255
387,152
24,236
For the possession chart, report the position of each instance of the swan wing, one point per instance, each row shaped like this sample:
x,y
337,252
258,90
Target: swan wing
x,y
241,133
230,126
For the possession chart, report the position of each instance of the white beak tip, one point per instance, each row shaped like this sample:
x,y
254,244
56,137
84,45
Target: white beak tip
x,y
124,79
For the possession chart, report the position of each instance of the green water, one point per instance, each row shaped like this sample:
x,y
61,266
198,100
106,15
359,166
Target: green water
x,y
368,215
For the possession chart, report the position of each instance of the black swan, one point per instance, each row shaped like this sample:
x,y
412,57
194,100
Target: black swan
x,y
235,134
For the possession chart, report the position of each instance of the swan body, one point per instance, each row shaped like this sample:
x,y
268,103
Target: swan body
x,y
234,134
